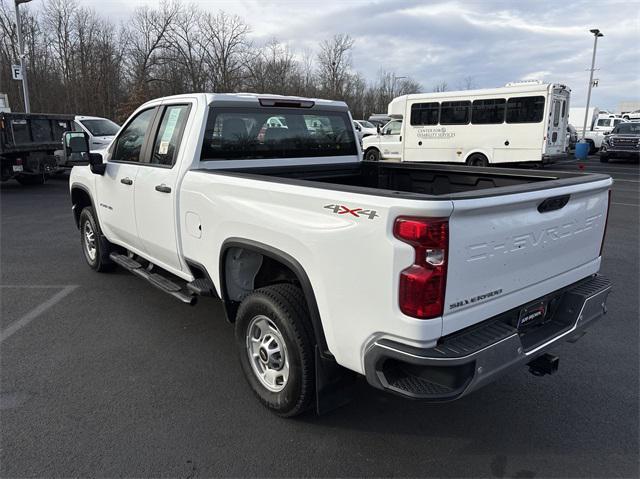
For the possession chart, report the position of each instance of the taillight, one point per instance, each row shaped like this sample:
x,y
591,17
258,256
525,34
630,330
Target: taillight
x,y
606,223
422,285
18,161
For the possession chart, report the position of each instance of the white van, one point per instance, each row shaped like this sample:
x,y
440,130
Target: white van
x,y
522,122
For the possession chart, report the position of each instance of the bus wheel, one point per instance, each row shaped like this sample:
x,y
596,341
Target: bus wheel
x,y
372,155
478,160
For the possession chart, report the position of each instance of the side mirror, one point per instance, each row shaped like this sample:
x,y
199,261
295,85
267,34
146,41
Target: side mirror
x,y
76,152
96,164
75,145
358,128
75,142
378,129
607,132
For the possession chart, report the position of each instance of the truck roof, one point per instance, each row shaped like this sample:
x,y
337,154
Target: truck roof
x,y
252,98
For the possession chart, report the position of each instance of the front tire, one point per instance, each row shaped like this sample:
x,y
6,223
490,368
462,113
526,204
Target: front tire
x,y
274,339
96,251
372,155
478,160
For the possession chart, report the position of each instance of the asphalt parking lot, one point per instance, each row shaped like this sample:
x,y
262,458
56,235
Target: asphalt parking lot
x,y
103,375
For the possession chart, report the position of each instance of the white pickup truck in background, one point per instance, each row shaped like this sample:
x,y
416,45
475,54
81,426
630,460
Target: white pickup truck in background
x,y
599,125
429,280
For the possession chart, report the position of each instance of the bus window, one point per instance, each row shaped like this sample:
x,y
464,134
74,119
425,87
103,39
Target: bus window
x,y
425,113
527,109
455,112
556,113
487,112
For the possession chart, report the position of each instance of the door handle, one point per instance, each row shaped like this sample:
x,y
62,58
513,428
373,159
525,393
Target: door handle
x,y
163,188
126,181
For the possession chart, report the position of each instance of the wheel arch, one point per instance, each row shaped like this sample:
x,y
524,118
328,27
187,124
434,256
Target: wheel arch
x,y
282,259
478,151
80,198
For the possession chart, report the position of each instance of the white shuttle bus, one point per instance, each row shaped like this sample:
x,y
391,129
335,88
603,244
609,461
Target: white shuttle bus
x,y
521,122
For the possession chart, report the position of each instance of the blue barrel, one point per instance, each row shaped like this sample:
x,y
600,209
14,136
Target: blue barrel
x,y
582,150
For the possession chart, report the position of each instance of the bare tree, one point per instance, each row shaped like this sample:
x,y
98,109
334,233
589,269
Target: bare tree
x,y
187,45
148,40
82,63
441,86
226,42
468,83
334,65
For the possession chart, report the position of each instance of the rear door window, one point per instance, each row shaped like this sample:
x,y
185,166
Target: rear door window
x,y
264,133
169,134
528,109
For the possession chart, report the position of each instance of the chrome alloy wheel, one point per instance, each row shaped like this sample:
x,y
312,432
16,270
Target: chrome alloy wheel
x,y
267,353
89,240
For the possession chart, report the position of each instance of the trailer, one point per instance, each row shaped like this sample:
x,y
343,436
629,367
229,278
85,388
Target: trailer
x,y
28,145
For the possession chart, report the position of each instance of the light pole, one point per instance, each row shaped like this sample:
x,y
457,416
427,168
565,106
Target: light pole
x,y
23,68
596,34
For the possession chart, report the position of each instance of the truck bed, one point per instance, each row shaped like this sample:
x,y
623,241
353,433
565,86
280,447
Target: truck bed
x,y
416,180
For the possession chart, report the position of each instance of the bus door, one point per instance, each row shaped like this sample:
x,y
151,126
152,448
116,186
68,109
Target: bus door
x,y
556,137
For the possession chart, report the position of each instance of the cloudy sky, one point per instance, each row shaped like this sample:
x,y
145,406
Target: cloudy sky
x,y
492,41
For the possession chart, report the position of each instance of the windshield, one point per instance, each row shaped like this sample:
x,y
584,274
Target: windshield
x,y
101,127
262,133
628,129
366,124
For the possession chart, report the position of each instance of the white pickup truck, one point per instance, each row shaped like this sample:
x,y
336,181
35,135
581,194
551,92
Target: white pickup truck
x,y
428,280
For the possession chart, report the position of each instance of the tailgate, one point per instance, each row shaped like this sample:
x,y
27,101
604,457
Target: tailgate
x,y
505,251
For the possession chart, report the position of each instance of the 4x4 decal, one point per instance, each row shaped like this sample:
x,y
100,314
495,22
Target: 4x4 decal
x,y
357,212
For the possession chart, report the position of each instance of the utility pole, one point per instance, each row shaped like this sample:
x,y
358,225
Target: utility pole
x,y
596,34
23,68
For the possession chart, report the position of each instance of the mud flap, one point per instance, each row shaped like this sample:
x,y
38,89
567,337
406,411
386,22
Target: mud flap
x,y
335,385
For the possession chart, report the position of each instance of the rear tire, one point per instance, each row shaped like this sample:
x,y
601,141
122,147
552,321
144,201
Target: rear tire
x,y
372,154
592,147
274,339
478,159
96,250
28,180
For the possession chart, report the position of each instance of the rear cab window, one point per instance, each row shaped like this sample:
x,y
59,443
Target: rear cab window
x,y
250,133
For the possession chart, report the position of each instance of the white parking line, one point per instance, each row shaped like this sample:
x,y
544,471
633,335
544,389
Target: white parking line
x,y
624,204
35,312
